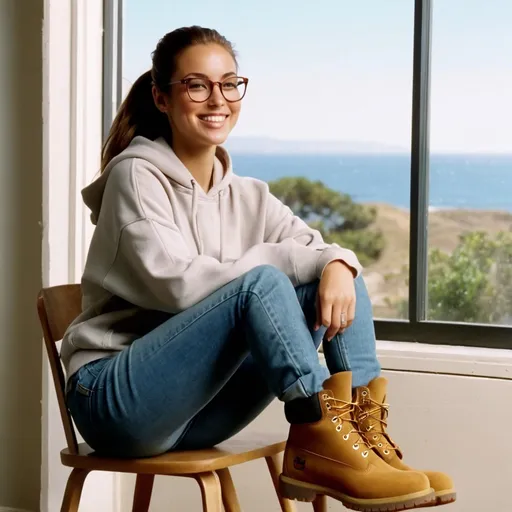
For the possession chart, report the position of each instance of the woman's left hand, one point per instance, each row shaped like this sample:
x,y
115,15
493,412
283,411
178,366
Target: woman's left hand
x,y
336,299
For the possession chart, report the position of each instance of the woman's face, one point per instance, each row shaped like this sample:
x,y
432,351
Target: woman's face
x,y
210,122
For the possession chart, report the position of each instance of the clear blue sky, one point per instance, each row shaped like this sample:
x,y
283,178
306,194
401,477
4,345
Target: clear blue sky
x,y
341,69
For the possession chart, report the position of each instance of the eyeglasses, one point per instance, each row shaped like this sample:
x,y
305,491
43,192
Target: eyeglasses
x,y
200,89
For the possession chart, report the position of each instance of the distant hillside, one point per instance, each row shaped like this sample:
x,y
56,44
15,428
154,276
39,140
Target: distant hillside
x,y
261,145
387,277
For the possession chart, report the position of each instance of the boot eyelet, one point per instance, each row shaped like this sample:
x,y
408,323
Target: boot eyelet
x,y
334,419
338,428
386,452
380,445
325,396
355,446
365,454
375,438
328,406
368,429
345,437
365,393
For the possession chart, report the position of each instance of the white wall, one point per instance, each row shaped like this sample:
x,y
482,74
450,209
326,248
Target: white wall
x,y
452,422
20,252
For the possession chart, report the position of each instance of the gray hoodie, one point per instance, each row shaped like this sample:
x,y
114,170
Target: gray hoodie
x,y
161,244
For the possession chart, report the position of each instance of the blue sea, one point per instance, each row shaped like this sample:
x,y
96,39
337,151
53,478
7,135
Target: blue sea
x,y
456,181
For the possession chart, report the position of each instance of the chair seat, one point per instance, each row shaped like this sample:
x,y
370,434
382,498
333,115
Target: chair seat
x,y
237,450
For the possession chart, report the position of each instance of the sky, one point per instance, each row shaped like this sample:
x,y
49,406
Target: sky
x,y
342,69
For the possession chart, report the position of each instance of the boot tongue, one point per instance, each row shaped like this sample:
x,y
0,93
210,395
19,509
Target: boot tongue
x,y
341,386
377,388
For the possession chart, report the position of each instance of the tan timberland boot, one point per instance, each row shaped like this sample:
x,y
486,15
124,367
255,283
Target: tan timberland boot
x,y
325,454
372,412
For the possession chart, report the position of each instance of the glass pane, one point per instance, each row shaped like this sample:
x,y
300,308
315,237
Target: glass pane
x,y
328,108
470,221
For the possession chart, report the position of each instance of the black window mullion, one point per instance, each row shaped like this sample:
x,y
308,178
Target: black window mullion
x,y
418,250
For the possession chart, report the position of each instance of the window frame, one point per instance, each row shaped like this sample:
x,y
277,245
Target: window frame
x,y
112,61
417,328
72,57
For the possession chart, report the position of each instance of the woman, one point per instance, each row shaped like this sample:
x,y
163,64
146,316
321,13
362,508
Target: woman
x,y
204,298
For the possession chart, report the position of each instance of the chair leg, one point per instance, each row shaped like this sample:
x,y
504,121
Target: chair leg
x,y
74,487
274,466
229,497
210,491
142,495
320,503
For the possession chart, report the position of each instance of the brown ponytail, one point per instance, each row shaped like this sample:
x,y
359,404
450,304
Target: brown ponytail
x,y
138,114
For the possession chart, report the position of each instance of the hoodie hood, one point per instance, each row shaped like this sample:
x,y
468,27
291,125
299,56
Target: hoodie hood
x,y
161,155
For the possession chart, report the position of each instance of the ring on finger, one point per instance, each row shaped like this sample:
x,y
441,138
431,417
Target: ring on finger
x,y
343,318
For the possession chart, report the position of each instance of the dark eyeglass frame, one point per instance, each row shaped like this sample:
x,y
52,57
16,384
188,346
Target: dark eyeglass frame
x,y
185,81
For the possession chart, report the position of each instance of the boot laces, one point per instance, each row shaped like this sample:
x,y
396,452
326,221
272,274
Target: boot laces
x,y
346,413
376,415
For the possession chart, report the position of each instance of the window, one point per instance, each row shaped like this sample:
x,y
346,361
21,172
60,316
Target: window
x,y
390,116
470,231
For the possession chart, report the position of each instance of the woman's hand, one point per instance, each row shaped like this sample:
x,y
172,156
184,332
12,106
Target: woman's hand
x,y
336,299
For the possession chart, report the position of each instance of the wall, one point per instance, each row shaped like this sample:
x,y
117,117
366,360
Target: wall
x,y
20,252
449,422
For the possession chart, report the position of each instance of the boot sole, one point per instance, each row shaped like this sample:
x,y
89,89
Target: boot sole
x,y
303,491
445,497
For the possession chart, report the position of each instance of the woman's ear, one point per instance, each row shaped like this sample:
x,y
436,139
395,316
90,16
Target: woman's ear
x,y
161,99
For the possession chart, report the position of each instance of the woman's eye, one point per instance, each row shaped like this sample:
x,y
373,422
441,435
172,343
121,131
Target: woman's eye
x,y
197,85
230,85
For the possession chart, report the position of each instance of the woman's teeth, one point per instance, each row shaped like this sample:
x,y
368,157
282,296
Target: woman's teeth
x,y
213,119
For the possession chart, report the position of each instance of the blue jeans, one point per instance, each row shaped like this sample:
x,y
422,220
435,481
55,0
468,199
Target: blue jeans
x,y
206,373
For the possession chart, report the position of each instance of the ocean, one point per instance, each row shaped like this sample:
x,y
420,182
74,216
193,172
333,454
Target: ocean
x,y
456,181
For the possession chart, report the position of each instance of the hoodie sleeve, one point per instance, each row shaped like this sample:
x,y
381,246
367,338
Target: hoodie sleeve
x,y
283,225
153,267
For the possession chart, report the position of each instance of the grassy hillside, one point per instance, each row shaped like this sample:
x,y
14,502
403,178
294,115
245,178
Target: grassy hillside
x,y
386,278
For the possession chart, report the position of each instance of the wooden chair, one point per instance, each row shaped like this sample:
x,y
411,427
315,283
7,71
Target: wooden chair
x,y
57,307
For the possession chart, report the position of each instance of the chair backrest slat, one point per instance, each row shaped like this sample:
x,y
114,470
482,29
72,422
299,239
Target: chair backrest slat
x,y
57,307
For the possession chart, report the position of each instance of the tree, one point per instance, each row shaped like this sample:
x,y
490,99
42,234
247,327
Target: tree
x,y
334,214
473,283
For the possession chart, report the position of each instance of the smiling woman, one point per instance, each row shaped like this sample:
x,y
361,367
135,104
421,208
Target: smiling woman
x,y
205,297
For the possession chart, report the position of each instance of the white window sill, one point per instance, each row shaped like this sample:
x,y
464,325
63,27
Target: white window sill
x,y
445,359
